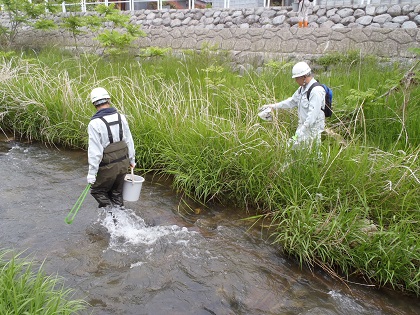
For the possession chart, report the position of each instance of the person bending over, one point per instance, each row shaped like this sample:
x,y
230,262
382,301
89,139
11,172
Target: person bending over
x,y
310,115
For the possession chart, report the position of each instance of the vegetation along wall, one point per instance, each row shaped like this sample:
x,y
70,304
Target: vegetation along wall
x,y
383,30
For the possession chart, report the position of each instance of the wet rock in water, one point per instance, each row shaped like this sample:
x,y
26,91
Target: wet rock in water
x,y
5,147
149,221
97,302
318,311
207,224
97,233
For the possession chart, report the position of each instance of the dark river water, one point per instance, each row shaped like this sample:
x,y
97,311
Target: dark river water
x,y
159,259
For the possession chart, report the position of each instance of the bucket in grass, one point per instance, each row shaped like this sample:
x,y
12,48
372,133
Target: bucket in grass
x,y
132,187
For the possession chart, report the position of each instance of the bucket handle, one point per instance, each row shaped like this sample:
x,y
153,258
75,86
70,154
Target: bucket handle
x,y
132,175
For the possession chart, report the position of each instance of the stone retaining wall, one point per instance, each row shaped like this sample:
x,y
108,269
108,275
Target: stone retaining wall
x,y
357,16
387,31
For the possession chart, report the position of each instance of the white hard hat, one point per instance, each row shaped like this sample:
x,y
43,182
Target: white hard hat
x,y
265,113
99,96
300,69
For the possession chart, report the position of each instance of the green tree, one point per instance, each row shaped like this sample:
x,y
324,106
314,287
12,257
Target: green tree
x,y
23,12
74,24
121,35
116,40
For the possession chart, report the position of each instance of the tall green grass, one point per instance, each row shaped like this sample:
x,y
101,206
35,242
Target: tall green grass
x,y
26,290
344,206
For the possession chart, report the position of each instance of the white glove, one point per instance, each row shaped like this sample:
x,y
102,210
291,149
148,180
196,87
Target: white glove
x,y
91,179
265,113
264,107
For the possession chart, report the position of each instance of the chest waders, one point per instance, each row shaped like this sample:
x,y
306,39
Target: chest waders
x,y
108,186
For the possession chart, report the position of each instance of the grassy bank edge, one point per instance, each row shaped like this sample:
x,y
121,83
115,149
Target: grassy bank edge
x,y
26,289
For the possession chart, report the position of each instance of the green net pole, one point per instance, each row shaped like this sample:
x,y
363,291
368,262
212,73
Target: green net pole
x,y
70,217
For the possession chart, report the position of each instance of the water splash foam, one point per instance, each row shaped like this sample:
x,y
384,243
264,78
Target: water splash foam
x,y
131,232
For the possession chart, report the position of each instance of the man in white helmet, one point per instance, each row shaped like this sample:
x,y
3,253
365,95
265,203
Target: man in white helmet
x,y
311,117
110,152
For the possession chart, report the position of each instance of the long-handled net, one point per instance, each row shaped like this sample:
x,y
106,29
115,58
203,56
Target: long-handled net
x,y
70,217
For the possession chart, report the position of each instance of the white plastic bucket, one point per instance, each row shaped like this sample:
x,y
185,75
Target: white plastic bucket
x,y
132,189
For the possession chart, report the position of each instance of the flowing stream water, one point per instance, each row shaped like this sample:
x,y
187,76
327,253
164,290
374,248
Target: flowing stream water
x,y
159,260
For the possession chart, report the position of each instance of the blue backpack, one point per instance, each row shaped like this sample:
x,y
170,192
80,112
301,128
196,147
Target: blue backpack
x,y
328,98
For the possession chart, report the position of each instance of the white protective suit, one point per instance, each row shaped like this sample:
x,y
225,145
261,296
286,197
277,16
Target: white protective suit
x,y
98,140
311,117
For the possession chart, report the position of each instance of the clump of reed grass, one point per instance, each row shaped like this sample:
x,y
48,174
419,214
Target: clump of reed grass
x,y
348,212
26,290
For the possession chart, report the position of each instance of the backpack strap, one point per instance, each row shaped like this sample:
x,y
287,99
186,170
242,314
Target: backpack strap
x,y
310,89
108,124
